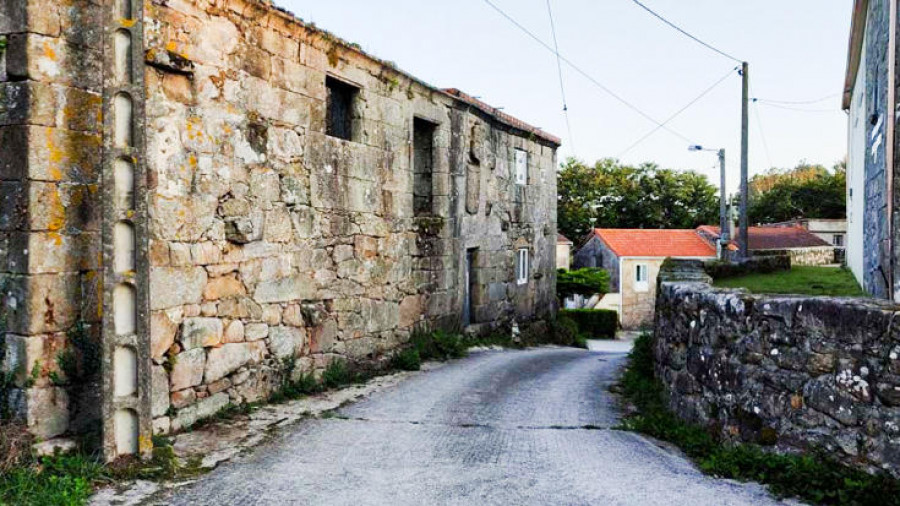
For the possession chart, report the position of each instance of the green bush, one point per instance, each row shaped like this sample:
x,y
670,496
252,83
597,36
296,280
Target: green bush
x,y
337,374
762,264
564,332
438,344
594,323
408,360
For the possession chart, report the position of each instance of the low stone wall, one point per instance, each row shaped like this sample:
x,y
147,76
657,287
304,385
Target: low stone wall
x,y
821,255
791,373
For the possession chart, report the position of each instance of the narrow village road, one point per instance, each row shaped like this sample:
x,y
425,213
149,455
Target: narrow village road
x,y
513,427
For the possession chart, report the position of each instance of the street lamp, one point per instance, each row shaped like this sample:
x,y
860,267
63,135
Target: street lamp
x,y
724,233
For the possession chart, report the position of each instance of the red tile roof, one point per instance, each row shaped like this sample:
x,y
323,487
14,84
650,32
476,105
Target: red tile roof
x,y
763,238
655,243
561,239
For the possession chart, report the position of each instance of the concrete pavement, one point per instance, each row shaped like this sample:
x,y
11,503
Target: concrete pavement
x,y
509,427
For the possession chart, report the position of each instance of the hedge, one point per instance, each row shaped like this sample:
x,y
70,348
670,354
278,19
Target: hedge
x,y
594,323
760,264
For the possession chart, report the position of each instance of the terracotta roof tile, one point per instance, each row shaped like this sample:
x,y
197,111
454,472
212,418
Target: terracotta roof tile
x,y
655,243
763,238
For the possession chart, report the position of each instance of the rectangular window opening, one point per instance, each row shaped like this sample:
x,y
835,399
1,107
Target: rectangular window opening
x,y
521,167
838,240
522,267
641,278
423,166
339,114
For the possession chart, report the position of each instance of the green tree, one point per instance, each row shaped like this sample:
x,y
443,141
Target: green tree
x,y
587,282
611,195
807,191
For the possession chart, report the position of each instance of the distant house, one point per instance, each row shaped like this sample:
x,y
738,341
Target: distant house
x,y
633,258
563,252
871,100
802,246
832,231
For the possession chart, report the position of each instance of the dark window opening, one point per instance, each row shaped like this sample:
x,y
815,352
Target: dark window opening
x,y
423,166
339,121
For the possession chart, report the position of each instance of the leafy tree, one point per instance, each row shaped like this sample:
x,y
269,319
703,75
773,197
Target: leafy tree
x,y
587,282
807,191
611,195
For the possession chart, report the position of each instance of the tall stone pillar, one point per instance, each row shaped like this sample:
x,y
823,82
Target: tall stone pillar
x,y
127,421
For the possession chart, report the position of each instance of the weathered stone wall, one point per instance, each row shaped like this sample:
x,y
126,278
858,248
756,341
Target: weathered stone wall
x,y
273,241
50,152
269,241
821,255
792,373
595,253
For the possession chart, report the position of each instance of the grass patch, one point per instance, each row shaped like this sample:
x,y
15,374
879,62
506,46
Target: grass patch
x,y
813,478
69,480
801,280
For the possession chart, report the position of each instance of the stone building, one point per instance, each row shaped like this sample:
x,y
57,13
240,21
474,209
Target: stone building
x,y
870,98
197,194
633,258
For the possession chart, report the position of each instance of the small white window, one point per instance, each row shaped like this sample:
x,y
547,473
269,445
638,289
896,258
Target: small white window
x,y
521,167
838,240
522,267
641,278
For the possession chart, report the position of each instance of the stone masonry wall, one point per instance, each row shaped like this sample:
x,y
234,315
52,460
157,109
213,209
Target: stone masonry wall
x,y
821,255
791,373
50,152
270,242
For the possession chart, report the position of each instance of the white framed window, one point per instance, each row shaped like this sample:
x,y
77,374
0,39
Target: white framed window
x,y
641,278
521,167
522,266
838,240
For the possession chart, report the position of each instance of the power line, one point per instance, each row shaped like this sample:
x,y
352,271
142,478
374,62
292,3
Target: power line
x,y
802,102
762,134
685,33
562,88
678,113
797,109
583,73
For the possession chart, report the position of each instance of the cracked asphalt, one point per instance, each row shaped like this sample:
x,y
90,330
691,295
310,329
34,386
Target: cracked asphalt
x,y
532,427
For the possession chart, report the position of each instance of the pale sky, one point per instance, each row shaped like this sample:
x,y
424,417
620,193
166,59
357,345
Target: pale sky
x,y
796,49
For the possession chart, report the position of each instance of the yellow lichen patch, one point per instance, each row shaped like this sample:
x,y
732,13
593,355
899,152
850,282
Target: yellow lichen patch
x,y
129,214
145,444
57,212
49,51
192,160
127,23
56,238
55,156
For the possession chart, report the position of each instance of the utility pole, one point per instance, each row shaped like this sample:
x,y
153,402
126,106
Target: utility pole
x,y
744,236
724,233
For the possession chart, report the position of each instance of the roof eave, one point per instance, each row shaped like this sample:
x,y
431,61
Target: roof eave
x,y
857,36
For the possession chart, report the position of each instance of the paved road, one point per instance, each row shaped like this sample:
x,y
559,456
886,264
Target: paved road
x,y
516,427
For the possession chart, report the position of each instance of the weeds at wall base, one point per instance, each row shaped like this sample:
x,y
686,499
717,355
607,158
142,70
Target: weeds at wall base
x,y
812,477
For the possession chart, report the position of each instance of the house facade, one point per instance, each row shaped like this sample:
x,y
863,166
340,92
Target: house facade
x,y
633,258
563,252
197,195
870,98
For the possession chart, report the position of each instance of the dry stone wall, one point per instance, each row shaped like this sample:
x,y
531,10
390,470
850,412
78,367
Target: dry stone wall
x,y
269,242
790,373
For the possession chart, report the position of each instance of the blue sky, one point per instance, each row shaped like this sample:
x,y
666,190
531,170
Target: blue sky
x,y
796,49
